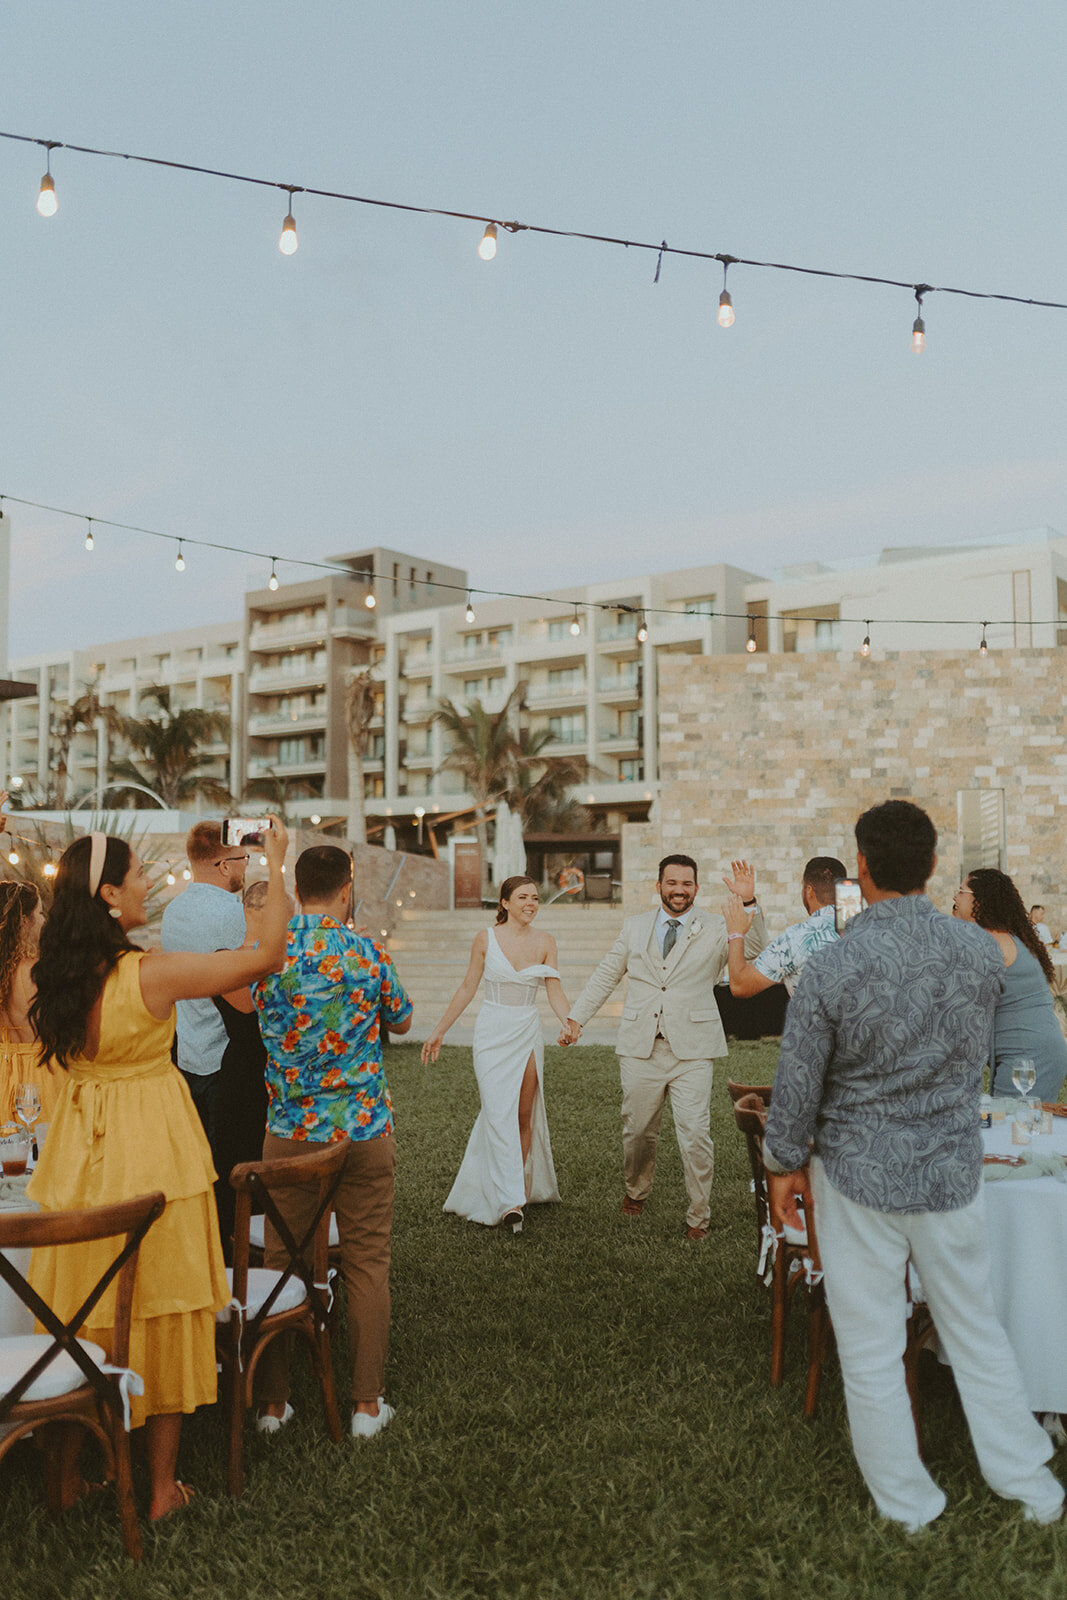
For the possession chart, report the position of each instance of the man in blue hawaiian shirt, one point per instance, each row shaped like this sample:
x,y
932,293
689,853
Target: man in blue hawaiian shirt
x,y
320,1018
781,960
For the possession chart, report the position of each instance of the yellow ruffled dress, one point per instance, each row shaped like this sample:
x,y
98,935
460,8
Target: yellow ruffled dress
x,y
126,1125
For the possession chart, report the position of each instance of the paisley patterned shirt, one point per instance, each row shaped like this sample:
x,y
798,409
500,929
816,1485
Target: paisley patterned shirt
x,y
319,1021
882,1055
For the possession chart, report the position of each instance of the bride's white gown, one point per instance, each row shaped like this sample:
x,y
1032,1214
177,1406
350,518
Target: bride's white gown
x,y
492,1179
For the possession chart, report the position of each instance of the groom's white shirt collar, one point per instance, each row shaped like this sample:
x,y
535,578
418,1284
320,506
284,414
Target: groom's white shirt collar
x,y
664,916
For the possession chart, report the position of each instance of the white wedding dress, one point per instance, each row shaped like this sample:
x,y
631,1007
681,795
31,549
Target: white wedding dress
x,y
492,1178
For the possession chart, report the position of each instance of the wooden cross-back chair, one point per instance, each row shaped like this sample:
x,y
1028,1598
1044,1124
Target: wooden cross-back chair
x,y
268,1303
55,1377
796,1261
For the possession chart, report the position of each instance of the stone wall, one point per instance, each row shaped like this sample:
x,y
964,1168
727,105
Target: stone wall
x,y
773,757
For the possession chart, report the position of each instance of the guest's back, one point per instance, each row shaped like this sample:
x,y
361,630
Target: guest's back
x,y
1025,1025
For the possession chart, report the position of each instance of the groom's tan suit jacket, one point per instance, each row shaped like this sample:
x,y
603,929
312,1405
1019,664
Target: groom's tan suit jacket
x,y
673,997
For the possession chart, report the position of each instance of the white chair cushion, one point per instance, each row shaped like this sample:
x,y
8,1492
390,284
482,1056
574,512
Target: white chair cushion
x,y
261,1281
256,1232
18,1353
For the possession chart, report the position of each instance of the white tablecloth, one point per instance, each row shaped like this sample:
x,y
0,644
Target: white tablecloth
x,y
1027,1222
14,1317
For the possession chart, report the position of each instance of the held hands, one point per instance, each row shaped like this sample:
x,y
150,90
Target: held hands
x,y
570,1033
743,882
738,920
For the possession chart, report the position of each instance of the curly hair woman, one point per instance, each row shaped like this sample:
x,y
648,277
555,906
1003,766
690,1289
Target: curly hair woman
x,y
21,921
126,1125
1024,1023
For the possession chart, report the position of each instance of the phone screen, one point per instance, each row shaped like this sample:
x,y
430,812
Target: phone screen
x,y
244,830
848,902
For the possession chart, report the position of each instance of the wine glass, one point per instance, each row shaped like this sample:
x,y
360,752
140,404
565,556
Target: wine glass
x,y
1024,1075
28,1106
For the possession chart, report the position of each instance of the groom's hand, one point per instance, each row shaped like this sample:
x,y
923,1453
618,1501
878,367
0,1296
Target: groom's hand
x,y
571,1032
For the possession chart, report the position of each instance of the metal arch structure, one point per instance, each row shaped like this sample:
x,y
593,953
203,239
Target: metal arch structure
x,y
106,788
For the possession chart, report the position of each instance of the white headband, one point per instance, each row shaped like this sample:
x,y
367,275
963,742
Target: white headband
x,y
97,853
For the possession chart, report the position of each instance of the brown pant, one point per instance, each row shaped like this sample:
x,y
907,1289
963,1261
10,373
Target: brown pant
x,y
363,1203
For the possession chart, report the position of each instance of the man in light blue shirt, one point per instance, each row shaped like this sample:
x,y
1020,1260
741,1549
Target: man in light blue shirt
x,y
206,916
781,960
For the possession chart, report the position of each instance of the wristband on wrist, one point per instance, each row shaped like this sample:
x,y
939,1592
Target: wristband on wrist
x,y
731,936
749,903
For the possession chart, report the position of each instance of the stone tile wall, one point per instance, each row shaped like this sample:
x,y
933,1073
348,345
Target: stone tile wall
x,y
773,757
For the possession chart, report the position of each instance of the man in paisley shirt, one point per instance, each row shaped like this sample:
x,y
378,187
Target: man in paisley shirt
x,y
320,1018
878,1083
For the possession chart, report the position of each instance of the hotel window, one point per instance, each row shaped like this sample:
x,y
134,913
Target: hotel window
x,y
568,729
631,771
811,628
980,827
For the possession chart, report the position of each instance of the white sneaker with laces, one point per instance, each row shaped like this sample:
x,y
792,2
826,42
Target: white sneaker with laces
x,y
269,1424
365,1427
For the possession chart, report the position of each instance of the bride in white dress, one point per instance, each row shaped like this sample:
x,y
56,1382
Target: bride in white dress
x,y
508,1161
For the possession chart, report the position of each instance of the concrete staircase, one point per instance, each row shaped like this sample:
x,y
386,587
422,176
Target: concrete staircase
x,y
431,950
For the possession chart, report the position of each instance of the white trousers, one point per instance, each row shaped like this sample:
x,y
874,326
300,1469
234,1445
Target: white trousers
x,y
864,1254
645,1086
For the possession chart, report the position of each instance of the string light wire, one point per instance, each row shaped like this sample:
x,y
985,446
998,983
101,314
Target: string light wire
x,y
576,606
525,227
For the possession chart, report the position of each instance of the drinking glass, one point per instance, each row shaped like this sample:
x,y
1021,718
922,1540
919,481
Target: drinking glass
x,y
1024,1075
28,1105
14,1150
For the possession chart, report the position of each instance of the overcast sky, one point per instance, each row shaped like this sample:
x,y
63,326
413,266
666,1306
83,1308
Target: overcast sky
x,y
550,416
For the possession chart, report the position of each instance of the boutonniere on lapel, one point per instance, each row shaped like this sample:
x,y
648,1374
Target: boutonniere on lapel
x,y
695,927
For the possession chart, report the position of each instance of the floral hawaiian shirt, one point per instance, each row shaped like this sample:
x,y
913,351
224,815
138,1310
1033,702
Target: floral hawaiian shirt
x,y
783,958
319,1018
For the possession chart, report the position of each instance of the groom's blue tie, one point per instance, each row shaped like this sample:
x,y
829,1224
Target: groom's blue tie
x,y
670,938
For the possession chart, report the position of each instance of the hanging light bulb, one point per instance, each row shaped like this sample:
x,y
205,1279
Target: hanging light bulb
x,y
576,625
89,535
750,645
289,243
171,879
13,857
370,600
49,869
642,629
469,613
725,316
47,205
487,248
865,647
918,327
272,581
179,564
983,648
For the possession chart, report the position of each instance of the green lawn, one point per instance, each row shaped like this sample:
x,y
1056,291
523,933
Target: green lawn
x,y
583,1412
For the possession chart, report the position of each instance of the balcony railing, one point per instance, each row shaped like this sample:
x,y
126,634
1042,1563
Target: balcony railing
x,y
278,721
561,691
477,657
627,686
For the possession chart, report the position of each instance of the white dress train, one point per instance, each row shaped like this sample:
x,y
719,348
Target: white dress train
x,y
492,1178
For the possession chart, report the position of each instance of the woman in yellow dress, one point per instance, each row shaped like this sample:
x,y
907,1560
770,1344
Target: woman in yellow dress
x,y
125,1125
21,921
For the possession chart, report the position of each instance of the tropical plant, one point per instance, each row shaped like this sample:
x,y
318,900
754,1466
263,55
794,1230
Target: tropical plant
x,y
277,789
484,751
541,792
361,701
170,747
80,716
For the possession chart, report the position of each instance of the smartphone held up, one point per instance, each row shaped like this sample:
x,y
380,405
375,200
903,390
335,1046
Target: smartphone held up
x,y
244,830
848,902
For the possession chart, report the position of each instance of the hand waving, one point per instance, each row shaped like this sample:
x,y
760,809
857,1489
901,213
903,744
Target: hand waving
x,y
743,882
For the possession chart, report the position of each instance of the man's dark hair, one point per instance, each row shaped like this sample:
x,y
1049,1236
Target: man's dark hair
x,y
897,840
322,871
820,875
677,861
1036,908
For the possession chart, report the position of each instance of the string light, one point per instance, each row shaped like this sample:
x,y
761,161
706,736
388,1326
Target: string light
x,y
576,624
469,613
13,857
47,204
179,564
171,879
918,327
288,244
89,535
272,581
983,648
487,248
750,646
370,600
642,629
865,647
726,306
49,869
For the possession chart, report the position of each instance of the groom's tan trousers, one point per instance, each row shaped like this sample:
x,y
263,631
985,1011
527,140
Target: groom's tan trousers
x,y
645,1085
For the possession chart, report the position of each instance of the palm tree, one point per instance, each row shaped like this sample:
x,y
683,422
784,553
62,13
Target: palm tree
x,y
542,798
361,701
80,716
277,789
170,745
484,750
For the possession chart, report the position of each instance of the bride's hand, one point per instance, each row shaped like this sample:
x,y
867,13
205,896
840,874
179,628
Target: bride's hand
x,y
431,1049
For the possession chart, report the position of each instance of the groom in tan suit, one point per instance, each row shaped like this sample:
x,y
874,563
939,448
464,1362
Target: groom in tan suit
x,y
670,1030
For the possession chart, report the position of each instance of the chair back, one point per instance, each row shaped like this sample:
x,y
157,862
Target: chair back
x,y
256,1182
737,1091
33,1230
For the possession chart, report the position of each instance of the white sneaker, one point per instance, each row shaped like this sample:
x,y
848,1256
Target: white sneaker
x,y
269,1424
365,1427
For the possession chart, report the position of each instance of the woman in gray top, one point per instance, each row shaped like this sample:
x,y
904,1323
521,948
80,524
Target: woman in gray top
x,y
1025,1022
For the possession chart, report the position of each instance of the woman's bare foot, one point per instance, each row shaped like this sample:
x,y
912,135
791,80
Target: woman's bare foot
x,y
175,1497
75,1489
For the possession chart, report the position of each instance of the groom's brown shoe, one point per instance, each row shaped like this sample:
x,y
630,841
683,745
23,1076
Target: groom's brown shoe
x,y
632,1208
696,1235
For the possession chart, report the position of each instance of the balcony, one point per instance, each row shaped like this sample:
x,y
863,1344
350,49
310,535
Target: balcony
x,y
619,688
480,657
632,739
276,767
267,680
417,664
418,758
561,694
565,740
418,710
283,721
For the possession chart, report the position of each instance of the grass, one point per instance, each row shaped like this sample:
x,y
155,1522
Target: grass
x,y
583,1414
